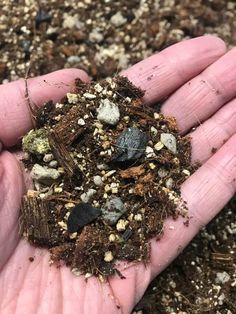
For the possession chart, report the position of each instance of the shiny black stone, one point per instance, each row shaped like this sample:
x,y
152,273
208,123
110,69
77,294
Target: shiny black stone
x,y
81,215
130,145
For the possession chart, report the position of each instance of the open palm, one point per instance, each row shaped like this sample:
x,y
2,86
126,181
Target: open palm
x,y
199,80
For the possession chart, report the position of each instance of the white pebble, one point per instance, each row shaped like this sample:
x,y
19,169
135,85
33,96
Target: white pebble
x,y
81,121
89,96
44,174
85,197
169,141
97,180
48,157
108,112
150,152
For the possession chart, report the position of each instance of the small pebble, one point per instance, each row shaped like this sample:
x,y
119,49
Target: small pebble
x,y
85,197
97,180
113,210
130,145
169,183
81,122
169,141
162,173
48,157
81,215
89,96
149,152
88,275
53,164
76,272
44,174
186,172
108,112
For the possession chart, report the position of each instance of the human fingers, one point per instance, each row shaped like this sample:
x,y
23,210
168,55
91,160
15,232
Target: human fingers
x,y
161,74
11,190
15,117
202,96
214,132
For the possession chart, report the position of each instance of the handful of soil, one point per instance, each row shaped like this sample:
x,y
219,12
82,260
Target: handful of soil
x,y
107,171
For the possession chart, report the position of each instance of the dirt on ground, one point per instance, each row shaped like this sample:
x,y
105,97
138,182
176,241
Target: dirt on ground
x,y
103,37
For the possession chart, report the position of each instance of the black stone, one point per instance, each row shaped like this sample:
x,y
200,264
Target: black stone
x,y
130,145
127,234
42,17
81,215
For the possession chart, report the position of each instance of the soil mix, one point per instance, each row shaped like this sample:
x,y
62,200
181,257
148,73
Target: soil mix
x,y
107,171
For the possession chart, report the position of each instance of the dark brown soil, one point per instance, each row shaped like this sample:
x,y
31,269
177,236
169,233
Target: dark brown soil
x,y
115,160
190,284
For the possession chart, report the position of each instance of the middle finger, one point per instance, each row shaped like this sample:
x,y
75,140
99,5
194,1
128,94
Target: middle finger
x,y
202,96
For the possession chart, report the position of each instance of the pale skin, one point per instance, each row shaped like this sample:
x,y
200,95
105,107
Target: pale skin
x,y
197,79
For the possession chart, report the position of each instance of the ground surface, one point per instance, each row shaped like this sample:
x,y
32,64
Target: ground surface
x,y
104,37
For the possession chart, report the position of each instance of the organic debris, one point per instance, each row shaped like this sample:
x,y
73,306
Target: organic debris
x,y
105,179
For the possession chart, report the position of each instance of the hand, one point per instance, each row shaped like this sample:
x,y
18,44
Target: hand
x,y
198,78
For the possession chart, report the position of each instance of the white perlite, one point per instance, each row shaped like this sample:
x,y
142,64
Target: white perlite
x,y
85,197
222,277
118,19
72,98
96,36
169,141
108,112
44,174
108,257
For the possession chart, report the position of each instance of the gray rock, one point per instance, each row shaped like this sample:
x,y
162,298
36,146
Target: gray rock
x,y
97,180
44,175
169,183
130,145
222,277
169,141
113,210
86,197
108,112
